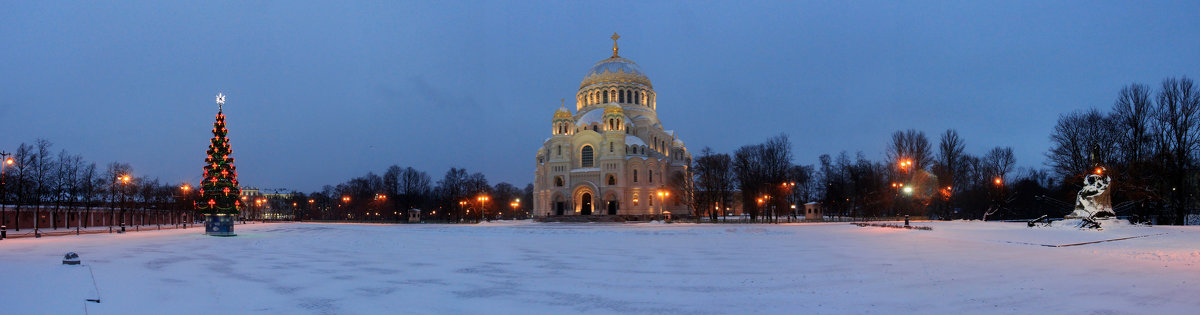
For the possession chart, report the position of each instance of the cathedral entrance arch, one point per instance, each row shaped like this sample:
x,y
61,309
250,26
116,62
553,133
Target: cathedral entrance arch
x,y
585,204
610,203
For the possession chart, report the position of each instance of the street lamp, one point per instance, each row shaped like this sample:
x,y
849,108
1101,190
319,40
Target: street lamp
x,y
184,189
482,206
3,186
124,183
662,195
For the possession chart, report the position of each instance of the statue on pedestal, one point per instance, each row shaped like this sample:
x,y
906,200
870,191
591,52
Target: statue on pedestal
x,y
1094,201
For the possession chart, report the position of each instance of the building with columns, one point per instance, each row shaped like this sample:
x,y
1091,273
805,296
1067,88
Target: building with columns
x,y
611,156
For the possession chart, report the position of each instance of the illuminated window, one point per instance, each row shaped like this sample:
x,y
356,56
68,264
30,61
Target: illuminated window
x,y
587,156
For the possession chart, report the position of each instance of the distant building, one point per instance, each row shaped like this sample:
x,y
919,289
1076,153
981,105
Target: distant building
x,y
813,211
612,155
269,204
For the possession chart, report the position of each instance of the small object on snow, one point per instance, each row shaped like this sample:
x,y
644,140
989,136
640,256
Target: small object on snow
x,y
1034,222
71,259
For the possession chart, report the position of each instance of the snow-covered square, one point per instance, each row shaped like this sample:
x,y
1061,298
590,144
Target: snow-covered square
x,y
556,268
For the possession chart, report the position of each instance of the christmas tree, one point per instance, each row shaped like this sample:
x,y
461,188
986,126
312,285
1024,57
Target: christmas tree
x,y
219,191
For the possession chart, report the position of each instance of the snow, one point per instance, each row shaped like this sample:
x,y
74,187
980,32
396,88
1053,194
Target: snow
x,y
508,267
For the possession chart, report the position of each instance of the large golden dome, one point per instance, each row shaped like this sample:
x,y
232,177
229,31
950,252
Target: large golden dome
x,y
615,69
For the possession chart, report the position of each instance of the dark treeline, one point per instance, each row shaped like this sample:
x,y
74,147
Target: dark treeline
x,y
1148,143
457,196
63,190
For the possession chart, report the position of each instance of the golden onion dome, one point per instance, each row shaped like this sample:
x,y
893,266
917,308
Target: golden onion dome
x,y
562,113
613,109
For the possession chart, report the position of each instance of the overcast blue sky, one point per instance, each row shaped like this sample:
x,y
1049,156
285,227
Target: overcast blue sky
x,y
319,92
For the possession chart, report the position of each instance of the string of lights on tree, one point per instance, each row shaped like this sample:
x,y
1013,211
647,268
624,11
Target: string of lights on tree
x,y
219,191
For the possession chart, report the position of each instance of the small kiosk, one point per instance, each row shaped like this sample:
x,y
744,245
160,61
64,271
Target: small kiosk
x,y
414,215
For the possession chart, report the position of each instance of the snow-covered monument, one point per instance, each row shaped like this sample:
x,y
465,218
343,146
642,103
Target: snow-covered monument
x,y
1094,201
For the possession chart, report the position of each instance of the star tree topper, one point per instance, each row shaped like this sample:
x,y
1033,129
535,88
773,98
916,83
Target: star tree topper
x,y
220,101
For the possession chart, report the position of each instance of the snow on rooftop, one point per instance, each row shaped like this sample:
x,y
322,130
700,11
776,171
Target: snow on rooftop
x,y
633,140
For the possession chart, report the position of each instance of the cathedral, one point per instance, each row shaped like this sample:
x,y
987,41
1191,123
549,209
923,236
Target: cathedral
x,y
611,156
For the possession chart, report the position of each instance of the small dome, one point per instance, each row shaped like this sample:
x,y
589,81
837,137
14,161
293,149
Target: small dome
x,y
677,143
613,109
615,69
562,112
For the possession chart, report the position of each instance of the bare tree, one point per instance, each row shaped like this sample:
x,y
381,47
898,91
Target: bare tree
x,y
43,168
911,145
413,187
948,168
1176,122
1132,113
1080,142
20,176
714,180
89,187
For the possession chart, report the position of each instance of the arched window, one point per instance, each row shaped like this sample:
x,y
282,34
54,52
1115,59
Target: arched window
x,y
595,128
637,97
560,150
606,96
612,180
634,176
558,182
621,95
587,156
610,147
650,176
635,199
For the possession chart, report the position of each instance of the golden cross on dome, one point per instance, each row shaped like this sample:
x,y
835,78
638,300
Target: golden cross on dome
x,y
615,37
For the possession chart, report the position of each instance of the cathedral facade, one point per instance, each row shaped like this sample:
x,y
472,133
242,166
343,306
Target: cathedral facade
x,y
611,156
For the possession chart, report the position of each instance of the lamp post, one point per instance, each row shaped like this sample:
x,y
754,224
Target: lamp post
x,y
4,193
515,204
662,195
346,200
482,207
184,190
462,209
124,184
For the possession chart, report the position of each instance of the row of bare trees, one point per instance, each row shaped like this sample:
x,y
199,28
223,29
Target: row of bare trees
x,y
1148,142
459,196
61,186
760,177
911,181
